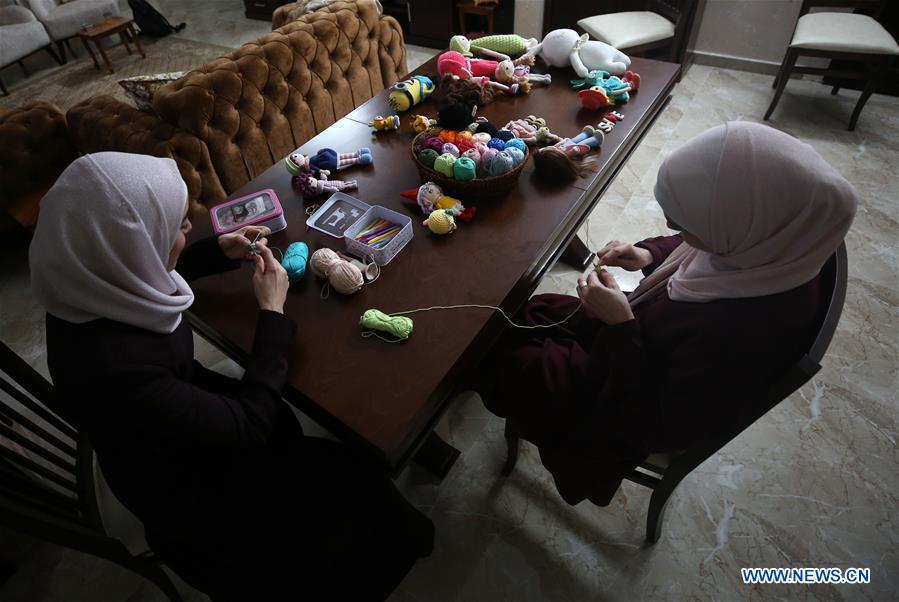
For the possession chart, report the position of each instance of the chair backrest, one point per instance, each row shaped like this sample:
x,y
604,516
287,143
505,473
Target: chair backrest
x,y
832,283
672,10
46,471
874,7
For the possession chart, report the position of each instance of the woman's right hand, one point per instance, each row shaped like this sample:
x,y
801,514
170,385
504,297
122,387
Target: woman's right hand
x,y
624,255
270,281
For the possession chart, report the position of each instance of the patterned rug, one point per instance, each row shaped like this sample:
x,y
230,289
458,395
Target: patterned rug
x,y
77,80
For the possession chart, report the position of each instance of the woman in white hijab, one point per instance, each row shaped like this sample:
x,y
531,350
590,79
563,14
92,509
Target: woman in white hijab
x,y
725,307
233,497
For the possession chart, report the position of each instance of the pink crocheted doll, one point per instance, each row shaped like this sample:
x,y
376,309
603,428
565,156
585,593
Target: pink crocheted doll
x,y
310,186
500,75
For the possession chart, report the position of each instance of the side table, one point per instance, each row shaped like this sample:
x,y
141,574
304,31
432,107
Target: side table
x,y
105,28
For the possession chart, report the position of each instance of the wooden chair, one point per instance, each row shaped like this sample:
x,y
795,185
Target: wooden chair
x,y
845,36
47,487
663,24
663,472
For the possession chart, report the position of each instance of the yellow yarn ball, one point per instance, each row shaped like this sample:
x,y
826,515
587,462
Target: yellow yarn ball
x,y
440,222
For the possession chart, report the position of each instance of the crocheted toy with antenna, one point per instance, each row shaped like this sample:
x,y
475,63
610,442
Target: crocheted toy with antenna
x,y
326,159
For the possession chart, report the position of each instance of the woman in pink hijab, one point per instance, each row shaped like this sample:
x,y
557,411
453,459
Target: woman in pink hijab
x,y
724,308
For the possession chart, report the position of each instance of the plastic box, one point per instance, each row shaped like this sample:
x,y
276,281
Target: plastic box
x,y
258,209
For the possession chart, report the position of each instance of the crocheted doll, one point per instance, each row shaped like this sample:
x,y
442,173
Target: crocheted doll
x,y
496,74
502,46
326,159
564,47
589,139
310,186
430,197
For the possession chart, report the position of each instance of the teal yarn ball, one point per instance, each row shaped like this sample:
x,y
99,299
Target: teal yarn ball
x,y
294,261
517,143
465,169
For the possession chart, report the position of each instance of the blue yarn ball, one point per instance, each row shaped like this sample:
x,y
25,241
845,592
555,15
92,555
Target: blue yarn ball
x,y
516,154
517,143
294,261
497,144
501,163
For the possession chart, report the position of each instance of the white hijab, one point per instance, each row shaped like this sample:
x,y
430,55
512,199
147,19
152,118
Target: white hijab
x,y
767,205
103,239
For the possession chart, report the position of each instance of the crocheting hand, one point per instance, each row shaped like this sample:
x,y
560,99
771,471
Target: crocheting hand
x,y
235,244
603,299
270,281
624,255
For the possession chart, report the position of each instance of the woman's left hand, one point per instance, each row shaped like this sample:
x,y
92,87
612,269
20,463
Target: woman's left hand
x,y
603,299
235,244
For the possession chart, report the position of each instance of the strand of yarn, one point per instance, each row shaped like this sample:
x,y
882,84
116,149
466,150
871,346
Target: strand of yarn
x,y
400,327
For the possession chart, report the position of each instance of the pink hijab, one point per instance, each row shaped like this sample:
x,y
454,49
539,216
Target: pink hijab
x,y
767,205
103,238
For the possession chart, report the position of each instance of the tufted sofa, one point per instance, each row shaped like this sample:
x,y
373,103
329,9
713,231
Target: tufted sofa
x,y
230,120
34,149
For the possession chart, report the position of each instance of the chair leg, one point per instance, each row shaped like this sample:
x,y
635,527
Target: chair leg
x,y
60,46
783,76
513,442
657,504
872,84
49,49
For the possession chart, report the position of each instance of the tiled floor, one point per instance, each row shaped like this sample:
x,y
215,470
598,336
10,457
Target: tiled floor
x,y
814,483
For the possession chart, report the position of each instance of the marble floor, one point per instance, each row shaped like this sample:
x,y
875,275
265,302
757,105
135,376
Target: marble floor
x,y
813,484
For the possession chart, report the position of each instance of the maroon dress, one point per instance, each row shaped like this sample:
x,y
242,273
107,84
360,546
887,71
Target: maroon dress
x,y
598,399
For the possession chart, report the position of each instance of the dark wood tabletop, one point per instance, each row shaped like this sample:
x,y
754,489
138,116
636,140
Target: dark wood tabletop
x,y
389,396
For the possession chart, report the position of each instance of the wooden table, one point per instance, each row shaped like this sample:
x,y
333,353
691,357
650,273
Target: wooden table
x,y
105,28
388,397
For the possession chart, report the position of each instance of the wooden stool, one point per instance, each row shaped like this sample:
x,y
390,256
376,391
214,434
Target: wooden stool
x,y
110,26
485,9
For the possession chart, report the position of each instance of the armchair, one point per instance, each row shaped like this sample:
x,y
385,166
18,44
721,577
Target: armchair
x,y
64,21
21,35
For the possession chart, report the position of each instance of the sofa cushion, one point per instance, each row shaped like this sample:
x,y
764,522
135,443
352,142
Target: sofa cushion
x,y
20,40
66,20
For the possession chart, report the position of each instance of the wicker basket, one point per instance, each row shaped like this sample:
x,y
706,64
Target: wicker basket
x,y
479,188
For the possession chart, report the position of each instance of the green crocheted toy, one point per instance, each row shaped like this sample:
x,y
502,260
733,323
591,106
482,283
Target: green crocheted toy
x,y
502,46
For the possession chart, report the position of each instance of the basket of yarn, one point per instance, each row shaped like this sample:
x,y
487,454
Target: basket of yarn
x,y
466,168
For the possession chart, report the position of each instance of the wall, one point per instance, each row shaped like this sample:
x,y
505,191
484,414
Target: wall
x,y
529,18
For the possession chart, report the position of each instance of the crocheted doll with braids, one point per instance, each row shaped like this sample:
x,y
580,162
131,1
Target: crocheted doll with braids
x,y
326,159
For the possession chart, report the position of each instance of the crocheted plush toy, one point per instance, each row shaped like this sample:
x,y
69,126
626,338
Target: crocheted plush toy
x,y
503,46
383,124
590,138
500,75
406,94
564,47
430,197
310,186
593,78
326,159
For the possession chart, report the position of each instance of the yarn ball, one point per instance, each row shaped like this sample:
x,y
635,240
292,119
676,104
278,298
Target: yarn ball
x,y
398,326
464,145
465,169
448,135
341,274
497,144
456,116
516,154
473,154
440,222
463,135
486,158
517,143
504,135
434,143
444,165
451,148
427,157
500,164
294,261
481,138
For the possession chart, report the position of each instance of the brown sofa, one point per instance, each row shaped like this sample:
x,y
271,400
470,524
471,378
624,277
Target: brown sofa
x,y
228,121
34,149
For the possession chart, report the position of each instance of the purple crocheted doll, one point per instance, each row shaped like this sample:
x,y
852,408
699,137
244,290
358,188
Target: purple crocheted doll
x,y
310,186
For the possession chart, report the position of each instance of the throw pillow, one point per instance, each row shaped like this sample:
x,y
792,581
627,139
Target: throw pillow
x,y
141,88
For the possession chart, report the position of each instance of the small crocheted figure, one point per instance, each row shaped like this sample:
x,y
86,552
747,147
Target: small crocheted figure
x,y
327,159
310,186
